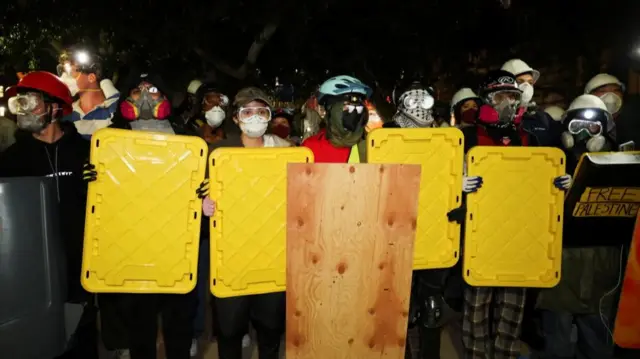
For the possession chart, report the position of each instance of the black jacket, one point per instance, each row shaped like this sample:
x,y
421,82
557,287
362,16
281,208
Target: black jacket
x,y
63,159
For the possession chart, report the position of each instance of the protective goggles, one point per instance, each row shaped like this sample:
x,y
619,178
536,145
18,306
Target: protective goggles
x,y
593,128
246,112
417,98
25,103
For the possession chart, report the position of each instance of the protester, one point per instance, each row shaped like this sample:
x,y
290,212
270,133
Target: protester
x,y
211,111
498,124
624,112
577,314
97,97
52,148
464,107
266,312
343,99
147,108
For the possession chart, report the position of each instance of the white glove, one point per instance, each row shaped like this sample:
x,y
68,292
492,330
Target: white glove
x,y
208,206
471,184
563,182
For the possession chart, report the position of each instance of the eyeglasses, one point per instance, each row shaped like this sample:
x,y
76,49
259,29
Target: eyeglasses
x,y
263,112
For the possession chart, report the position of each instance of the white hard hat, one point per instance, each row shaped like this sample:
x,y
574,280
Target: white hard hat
x,y
193,87
463,94
587,101
555,112
600,80
518,67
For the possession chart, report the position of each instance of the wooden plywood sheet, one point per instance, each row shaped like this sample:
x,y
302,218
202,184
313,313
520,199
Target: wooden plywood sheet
x,y
350,235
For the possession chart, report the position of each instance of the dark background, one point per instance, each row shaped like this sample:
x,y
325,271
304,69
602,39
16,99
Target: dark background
x,y
451,42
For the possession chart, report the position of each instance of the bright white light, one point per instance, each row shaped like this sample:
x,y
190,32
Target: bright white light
x,y
589,114
82,57
2,111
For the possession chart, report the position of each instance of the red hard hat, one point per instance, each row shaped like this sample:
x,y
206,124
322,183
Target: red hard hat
x,y
49,84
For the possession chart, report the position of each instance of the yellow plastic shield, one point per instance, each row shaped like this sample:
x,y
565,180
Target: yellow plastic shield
x,y
143,215
248,229
513,232
440,152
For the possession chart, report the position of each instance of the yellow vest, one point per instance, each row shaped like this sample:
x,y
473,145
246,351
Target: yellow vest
x,y
354,156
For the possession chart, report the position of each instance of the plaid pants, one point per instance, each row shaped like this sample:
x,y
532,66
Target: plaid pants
x,y
497,337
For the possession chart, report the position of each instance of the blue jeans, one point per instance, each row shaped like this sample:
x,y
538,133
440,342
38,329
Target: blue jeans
x,y
202,288
589,339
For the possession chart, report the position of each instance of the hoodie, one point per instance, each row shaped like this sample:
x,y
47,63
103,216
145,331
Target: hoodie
x,y
63,160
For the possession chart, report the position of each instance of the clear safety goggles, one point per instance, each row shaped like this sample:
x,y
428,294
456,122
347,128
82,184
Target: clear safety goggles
x,y
415,99
246,112
593,128
25,103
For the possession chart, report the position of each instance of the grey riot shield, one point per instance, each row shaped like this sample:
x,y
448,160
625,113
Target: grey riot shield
x,y
32,273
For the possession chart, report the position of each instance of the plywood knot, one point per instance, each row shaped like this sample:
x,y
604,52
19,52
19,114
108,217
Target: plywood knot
x,y
381,265
298,313
352,169
342,267
314,258
390,221
308,171
381,169
414,223
300,222
372,311
350,341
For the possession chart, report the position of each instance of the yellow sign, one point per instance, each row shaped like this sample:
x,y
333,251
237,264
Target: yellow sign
x,y
608,202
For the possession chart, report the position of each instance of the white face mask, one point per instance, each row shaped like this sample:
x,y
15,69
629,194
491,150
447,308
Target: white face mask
x,y
527,92
254,126
612,101
70,82
215,116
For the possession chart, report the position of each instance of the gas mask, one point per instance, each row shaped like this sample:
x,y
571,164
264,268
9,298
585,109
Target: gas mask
x,y
145,107
584,133
215,116
503,112
415,109
612,101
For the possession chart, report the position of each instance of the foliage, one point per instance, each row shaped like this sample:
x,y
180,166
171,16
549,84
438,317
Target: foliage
x,y
373,40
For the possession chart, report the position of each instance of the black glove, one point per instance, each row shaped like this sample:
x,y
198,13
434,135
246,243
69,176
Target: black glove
x,y
203,189
457,215
89,173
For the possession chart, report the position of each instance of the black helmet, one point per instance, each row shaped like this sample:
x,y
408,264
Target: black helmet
x,y
408,84
498,81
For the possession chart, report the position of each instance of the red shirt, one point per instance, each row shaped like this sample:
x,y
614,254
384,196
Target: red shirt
x,y
324,151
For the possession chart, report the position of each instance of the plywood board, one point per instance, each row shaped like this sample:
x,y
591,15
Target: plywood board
x,y
350,236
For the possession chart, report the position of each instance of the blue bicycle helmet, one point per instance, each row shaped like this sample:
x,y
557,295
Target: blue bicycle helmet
x,y
342,85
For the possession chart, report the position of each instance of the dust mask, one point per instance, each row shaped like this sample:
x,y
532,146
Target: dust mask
x,y
254,126
527,92
71,83
612,101
215,116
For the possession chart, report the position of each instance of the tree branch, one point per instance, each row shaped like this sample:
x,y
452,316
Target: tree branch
x,y
242,71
